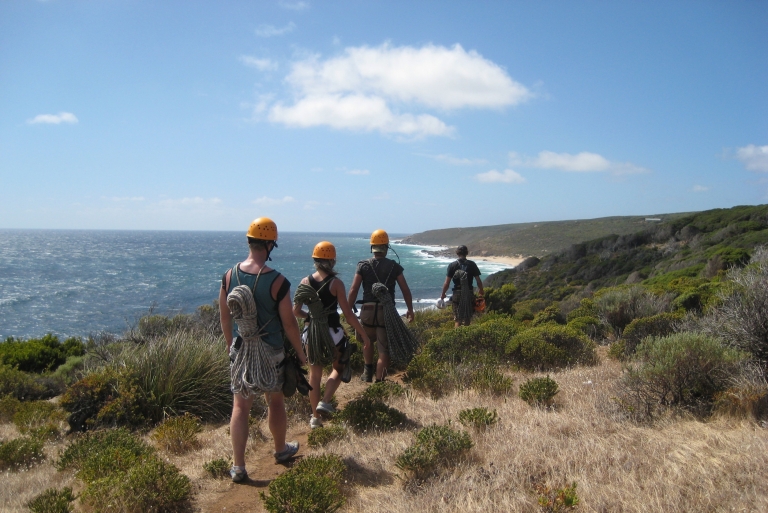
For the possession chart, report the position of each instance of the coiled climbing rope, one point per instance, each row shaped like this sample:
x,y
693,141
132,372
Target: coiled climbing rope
x,y
402,342
253,369
466,307
320,346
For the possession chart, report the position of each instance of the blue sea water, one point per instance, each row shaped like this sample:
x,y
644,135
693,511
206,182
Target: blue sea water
x,y
81,282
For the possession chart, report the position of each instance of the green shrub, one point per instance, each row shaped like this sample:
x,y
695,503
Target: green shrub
x,y
478,418
383,390
312,486
590,326
218,468
539,391
617,351
123,472
27,387
488,379
430,323
435,448
149,485
363,414
33,415
586,308
618,306
52,500
20,453
500,299
551,346
527,310
478,342
550,315
428,375
178,435
8,407
69,371
105,398
39,354
322,436
659,325
684,370
553,500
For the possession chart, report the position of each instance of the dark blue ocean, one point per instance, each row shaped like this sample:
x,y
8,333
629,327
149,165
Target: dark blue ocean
x,y
82,282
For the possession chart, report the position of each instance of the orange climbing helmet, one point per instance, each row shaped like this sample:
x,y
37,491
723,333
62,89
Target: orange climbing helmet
x,y
263,228
324,250
379,237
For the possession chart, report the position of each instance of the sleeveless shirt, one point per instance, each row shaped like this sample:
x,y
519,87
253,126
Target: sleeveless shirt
x,y
327,298
266,307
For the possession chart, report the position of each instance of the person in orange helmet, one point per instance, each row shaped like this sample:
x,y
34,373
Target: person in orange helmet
x,y
378,269
333,295
271,292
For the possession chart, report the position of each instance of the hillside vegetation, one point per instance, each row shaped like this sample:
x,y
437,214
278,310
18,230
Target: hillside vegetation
x,y
535,239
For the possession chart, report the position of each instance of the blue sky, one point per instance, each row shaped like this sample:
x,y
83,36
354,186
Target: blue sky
x,y
352,116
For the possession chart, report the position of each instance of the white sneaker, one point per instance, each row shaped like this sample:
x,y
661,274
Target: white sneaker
x,y
324,407
314,422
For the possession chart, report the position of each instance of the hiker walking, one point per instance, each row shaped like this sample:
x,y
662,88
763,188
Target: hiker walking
x,y
461,271
371,274
324,337
257,298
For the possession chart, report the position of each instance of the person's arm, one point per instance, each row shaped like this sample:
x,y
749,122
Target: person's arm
x,y
297,307
479,285
338,290
224,315
406,296
445,287
291,327
356,282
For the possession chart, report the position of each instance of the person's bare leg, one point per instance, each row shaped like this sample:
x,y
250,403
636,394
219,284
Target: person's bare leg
x,y
238,427
381,366
315,377
278,420
332,384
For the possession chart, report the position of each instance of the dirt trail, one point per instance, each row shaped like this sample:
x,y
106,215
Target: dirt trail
x,y
262,469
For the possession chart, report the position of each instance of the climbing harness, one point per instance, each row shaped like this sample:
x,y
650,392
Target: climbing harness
x,y
320,345
252,369
466,303
402,342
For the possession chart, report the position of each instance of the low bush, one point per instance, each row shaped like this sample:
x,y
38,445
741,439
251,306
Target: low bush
x,y
527,310
52,500
539,391
551,346
38,416
178,435
550,315
478,418
122,472
501,299
8,407
484,342
590,326
312,486
556,500
218,468
363,414
27,387
618,306
659,325
321,437
20,453
39,354
684,370
430,323
383,390
488,379
428,375
435,448
586,308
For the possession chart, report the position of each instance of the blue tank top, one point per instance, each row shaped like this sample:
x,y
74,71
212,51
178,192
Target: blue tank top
x,y
266,307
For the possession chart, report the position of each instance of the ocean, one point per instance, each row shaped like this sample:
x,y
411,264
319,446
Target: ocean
x,y
84,282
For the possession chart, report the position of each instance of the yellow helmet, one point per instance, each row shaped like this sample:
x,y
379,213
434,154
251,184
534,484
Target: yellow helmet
x,y
263,228
324,250
379,237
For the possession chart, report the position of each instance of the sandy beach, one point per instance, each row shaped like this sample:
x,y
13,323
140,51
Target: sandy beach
x,y
510,261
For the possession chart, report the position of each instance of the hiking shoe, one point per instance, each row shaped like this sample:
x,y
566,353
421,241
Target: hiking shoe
x,y
324,407
314,422
346,374
286,454
238,474
367,374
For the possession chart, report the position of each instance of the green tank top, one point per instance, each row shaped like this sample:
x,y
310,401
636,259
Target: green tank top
x,y
266,307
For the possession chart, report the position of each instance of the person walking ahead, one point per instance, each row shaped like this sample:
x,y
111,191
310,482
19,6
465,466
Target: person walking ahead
x,y
331,294
378,269
255,343
462,271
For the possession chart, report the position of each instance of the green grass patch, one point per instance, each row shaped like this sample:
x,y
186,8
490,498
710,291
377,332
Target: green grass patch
x,y
312,486
435,448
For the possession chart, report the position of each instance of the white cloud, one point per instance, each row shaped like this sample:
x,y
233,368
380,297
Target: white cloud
x,y
260,64
189,202
365,88
270,202
293,6
493,176
456,161
271,30
358,172
755,158
584,162
700,188
54,119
